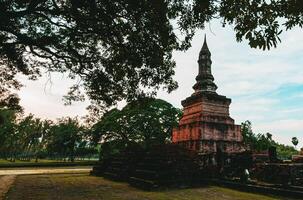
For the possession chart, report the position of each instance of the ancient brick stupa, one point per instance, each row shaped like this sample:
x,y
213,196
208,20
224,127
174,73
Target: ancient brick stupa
x,y
206,126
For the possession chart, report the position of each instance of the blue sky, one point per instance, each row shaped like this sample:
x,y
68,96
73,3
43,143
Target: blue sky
x,y
266,87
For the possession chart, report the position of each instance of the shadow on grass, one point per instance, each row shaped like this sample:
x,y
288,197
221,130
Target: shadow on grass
x,y
82,186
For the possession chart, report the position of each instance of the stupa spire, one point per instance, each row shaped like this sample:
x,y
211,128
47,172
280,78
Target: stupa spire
x,y
205,79
205,47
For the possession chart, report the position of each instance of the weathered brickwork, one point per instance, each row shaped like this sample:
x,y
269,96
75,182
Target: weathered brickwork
x,y
206,125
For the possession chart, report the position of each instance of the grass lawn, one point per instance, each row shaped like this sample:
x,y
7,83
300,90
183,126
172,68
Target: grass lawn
x,y
44,163
85,187
2,161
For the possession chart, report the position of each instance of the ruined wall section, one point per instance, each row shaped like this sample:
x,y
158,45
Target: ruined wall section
x,y
206,125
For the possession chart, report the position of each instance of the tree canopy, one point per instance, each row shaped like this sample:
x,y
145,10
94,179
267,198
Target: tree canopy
x,y
295,141
145,122
65,137
262,142
28,137
118,49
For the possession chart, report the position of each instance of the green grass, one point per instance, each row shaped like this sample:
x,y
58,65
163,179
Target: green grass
x,y
43,163
2,161
85,187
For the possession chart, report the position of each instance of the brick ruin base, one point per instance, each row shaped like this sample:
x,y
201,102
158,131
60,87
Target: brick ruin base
x,y
206,126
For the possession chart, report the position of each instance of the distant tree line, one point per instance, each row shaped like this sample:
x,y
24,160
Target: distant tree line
x,y
140,123
261,142
27,137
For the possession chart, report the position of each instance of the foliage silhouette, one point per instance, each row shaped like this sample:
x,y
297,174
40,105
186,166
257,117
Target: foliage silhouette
x,y
144,122
120,48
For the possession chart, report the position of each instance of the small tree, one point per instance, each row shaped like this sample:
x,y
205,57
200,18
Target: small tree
x,y
65,137
295,141
144,122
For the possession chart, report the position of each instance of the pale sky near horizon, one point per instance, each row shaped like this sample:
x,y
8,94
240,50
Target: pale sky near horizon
x,y
266,87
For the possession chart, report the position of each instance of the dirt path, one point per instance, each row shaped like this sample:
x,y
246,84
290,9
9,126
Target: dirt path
x,y
24,171
5,183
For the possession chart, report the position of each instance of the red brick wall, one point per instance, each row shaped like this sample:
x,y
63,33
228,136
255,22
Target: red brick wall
x,y
205,125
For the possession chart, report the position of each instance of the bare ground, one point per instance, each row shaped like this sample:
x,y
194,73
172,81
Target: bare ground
x,y
23,171
5,184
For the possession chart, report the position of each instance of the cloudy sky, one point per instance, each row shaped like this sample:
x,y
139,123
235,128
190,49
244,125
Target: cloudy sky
x,y
266,87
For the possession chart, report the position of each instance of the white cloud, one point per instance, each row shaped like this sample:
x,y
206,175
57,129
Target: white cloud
x,y
43,97
283,130
299,95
